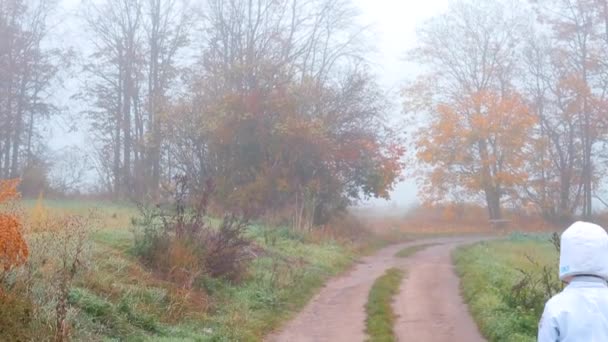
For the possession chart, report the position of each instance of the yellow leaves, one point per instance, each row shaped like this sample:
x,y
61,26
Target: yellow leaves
x,y
39,215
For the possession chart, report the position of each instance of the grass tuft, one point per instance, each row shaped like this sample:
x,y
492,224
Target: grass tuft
x,y
411,250
380,315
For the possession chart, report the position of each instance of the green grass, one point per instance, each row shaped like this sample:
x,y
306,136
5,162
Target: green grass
x,y
411,250
280,284
118,299
488,271
380,315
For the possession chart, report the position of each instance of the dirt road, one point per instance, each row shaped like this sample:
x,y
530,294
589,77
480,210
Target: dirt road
x,y
429,305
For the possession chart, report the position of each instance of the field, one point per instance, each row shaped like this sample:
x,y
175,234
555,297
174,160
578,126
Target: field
x,y
116,298
504,304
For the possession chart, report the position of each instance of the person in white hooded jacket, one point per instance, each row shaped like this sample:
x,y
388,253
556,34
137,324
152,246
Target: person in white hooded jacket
x,y
580,312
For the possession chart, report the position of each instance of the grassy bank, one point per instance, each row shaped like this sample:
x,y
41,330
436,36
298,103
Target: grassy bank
x,y
489,272
380,315
116,298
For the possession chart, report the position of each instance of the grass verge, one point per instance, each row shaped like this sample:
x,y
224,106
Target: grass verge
x,y
380,315
117,298
409,251
488,273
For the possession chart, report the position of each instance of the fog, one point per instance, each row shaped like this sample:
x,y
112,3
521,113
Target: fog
x,y
392,31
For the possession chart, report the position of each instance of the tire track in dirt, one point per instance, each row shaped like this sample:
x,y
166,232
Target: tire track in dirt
x,y
337,312
429,307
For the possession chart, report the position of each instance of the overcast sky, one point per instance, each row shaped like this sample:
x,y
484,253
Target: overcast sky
x,y
393,26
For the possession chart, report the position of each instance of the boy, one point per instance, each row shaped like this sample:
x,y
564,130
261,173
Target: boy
x,y
580,312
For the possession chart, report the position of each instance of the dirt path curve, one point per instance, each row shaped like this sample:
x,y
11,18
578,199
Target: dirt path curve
x,y
337,313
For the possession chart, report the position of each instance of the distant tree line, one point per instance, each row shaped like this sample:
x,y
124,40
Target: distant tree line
x,y
512,105
271,99
28,76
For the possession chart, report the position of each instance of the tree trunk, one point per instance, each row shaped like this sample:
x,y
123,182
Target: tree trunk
x,y
117,176
9,109
153,100
492,191
587,142
7,155
493,203
18,128
127,134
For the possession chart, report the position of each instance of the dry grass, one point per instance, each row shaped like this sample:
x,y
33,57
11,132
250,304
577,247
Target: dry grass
x,y
112,215
450,220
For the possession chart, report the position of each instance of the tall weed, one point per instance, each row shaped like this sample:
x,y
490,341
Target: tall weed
x,y
182,243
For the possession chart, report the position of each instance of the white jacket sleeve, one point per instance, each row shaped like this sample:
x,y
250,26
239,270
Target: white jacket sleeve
x,y
548,329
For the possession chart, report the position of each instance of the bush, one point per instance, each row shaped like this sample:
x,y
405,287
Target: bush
x,y
15,307
506,284
60,251
148,233
346,226
535,286
227,250
13,248
182,243
36,276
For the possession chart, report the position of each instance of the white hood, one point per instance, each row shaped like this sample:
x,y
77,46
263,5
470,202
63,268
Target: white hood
x,y
584,250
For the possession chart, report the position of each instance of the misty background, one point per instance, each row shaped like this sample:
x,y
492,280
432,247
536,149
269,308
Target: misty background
x,y
392,31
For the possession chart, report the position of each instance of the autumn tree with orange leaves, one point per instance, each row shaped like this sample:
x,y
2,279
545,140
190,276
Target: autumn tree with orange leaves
x,y
476,145
474,126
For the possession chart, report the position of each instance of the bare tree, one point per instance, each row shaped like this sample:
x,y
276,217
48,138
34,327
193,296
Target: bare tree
x,y
112,80
27,72
135,63
167,30
556,163
579,31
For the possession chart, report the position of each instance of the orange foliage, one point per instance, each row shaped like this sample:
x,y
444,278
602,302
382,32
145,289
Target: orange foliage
x,y
475,144
8,190
13,248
